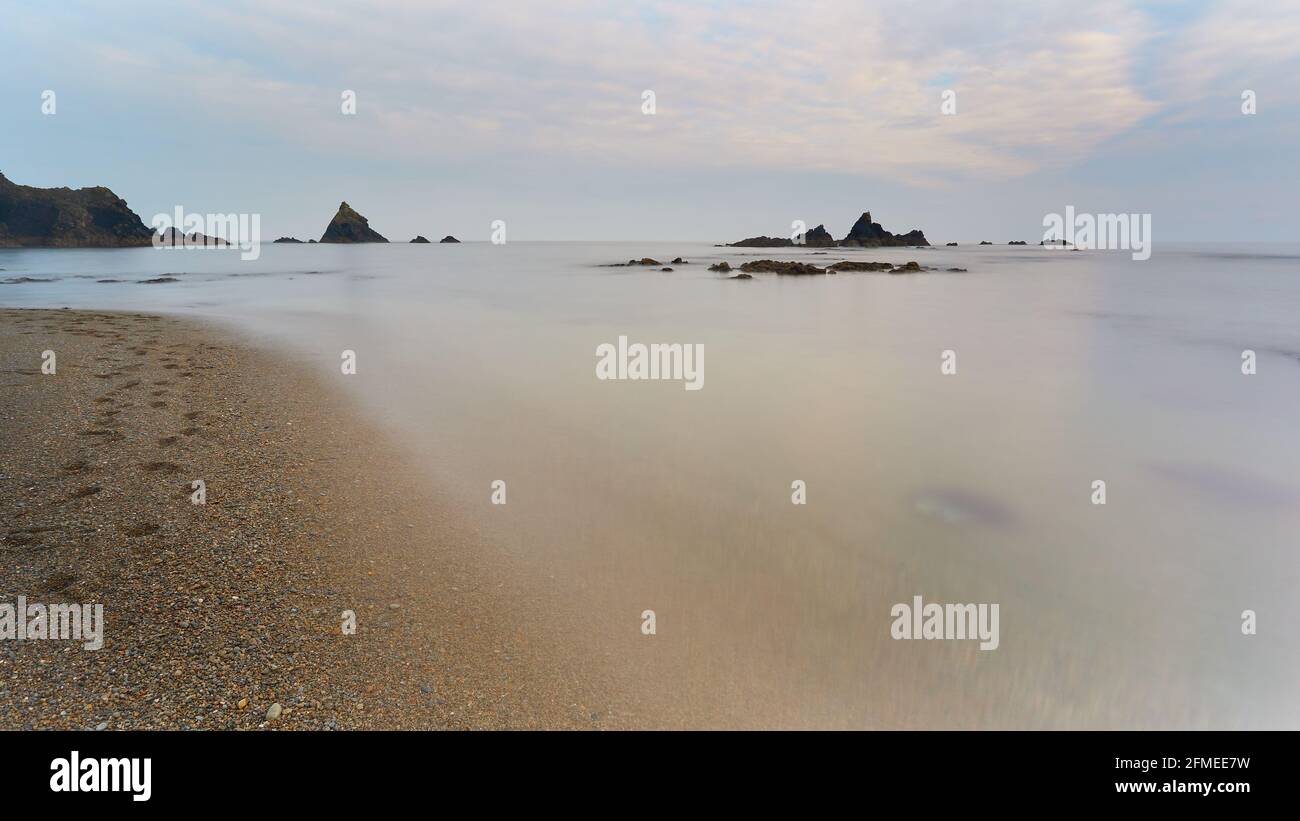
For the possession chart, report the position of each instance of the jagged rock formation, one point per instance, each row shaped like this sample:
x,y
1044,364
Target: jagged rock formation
x,y
349,226
868,234
818,237
421,240
175,238
863,234
67,218
449,238
289,239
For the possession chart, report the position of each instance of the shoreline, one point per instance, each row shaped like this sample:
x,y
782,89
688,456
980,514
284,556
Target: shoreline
x,y
215,612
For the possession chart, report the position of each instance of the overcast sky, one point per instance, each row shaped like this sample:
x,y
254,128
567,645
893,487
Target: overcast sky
x,y
766,112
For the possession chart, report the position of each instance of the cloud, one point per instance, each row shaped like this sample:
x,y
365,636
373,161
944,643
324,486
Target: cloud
x,y
836,85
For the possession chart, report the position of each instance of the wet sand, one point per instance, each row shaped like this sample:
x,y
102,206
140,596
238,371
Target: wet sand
x,y
216,612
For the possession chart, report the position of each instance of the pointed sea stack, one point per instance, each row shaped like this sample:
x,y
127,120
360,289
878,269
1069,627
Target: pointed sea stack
x,y
868,234
67,218
818,237
349,226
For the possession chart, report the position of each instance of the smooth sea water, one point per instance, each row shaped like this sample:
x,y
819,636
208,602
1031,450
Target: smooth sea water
x,y
974,487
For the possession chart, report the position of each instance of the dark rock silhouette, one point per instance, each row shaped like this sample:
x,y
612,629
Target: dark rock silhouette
x,y
863,234
349,226
720,266
985,242
869,234
449,238
818,237
952,245
174,238
420,239
289,239
67,218
763,242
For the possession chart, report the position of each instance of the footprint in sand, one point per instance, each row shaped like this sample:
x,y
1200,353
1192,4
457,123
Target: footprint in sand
x,y
83,492
138,530
162,467
168,440
190,431
157,404
78,466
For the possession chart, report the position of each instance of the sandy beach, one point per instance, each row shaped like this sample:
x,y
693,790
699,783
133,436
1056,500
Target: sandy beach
x,y
216,612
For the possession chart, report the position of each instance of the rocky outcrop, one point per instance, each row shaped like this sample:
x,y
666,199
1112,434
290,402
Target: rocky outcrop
x,y
420,240
868,234
349,226
863,234
67,218
175,238
952,245
721,267
818,237
763,242
290,239
449,238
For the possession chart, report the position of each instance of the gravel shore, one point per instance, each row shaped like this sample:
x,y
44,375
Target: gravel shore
x,y
229,614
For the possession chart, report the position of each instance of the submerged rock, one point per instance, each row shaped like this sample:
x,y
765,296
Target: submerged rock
x,y
721,267
349,226
952,245
853,265
773,266
742,276
908,268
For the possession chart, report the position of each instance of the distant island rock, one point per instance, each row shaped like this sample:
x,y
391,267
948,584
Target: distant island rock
x,y
175,238
420,240
289,239
449,238
868,234
863,234
67,218
349,226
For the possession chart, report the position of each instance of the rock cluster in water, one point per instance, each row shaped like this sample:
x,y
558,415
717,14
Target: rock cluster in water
x,y
863,234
